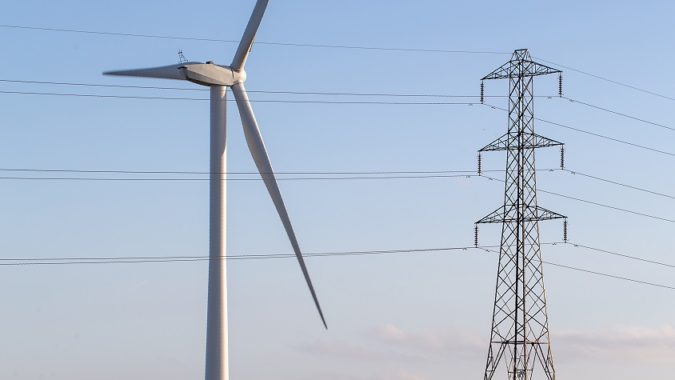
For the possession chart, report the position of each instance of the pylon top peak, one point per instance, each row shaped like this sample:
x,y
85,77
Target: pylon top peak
x,y
521,55
521,65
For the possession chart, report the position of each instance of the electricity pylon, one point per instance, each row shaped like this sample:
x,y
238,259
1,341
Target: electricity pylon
x,y
520,333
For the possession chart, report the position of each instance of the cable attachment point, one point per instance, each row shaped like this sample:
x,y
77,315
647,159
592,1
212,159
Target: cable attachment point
x,y
482,92
480,164
562,157
560,85
475,236
565,230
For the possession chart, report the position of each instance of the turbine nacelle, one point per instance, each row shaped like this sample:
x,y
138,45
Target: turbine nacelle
x,y
210,74
205,74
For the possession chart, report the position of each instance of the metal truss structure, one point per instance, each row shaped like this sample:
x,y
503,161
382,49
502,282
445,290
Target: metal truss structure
x,y
520,332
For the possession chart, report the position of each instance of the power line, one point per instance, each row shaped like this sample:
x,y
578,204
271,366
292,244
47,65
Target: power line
x,y
602,274
246,256
374,102
616,140
80,259
654,284
372,174
603,205
279,92
326,176
612,182
466,175
59,261
334,93
645,121
118,34
318,93
99,95
160,259
622,255
436,103
354,102
103,85
113,179
624,142
193,172
271,43
331,46
616,82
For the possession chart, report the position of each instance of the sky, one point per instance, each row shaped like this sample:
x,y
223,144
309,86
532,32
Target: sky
x,y
408,316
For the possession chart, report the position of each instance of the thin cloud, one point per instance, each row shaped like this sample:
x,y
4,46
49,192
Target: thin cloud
x,y
437,343
389,342
639,344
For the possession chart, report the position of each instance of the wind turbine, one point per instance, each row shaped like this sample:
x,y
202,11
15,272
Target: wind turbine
x,y
219,78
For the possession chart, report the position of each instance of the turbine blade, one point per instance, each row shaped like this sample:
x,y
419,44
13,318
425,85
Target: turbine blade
x,y
163,72
262,161
246,42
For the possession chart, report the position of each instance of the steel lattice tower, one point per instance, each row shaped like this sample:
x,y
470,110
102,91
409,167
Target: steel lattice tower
x,y
520,333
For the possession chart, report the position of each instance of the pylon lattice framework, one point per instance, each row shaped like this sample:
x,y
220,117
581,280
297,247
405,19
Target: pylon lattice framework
x,y
520,332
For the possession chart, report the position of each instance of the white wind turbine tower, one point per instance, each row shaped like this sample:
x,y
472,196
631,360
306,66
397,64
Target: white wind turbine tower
x,y
219,78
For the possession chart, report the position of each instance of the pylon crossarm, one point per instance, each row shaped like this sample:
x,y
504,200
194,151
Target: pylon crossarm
x,y
535,69
512,69
529,214
502,143
502,72
496,216
531,141
545,214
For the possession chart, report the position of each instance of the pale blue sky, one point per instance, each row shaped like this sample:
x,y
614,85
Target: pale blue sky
x,y
400,317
